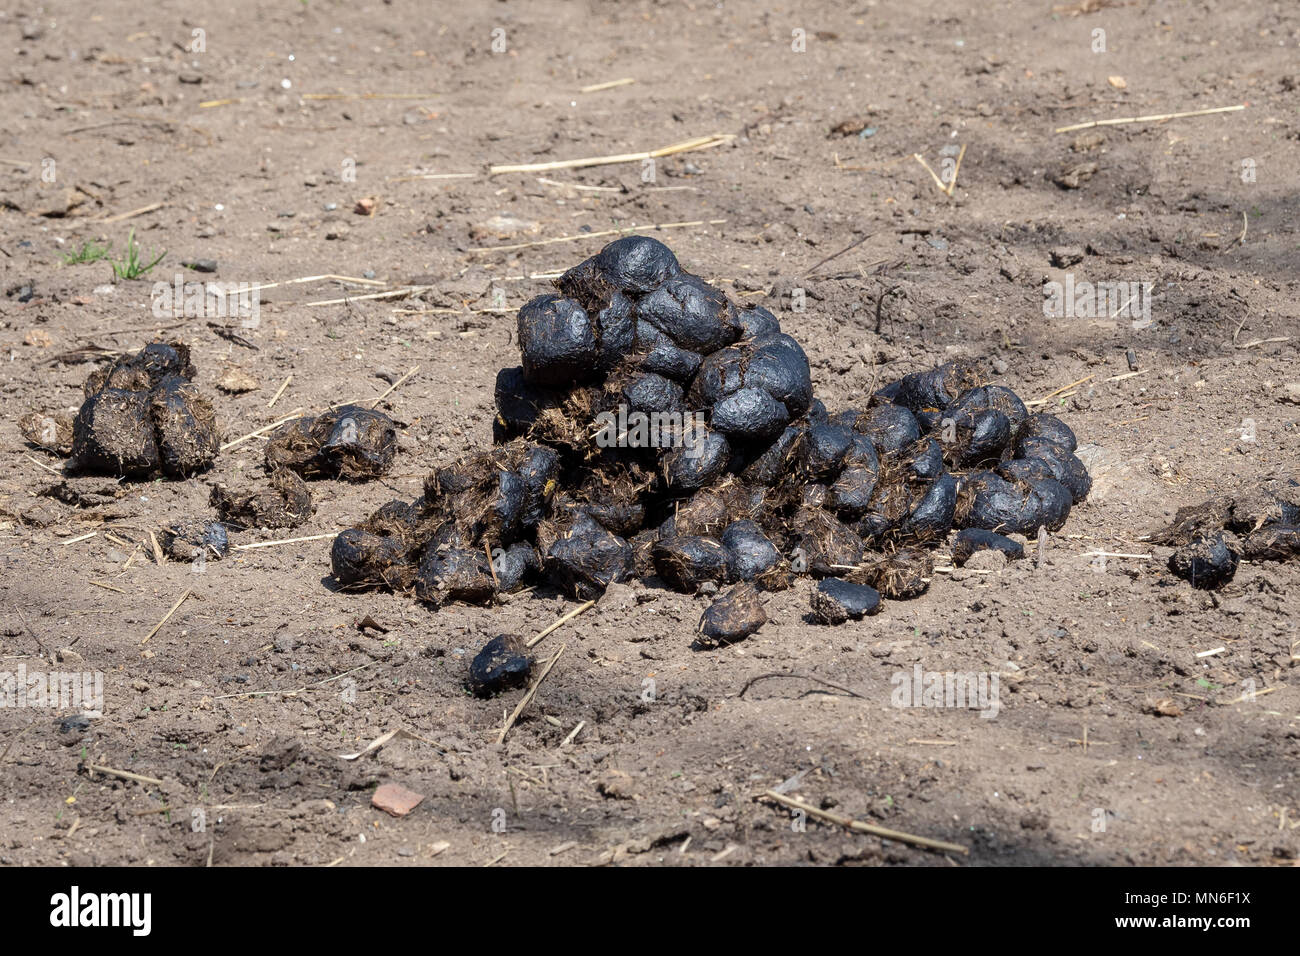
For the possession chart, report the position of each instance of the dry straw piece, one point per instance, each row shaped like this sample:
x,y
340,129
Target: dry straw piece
x,y
685,146
1154,118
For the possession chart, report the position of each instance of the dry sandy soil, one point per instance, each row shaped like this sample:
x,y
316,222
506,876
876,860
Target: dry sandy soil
x,y
247,164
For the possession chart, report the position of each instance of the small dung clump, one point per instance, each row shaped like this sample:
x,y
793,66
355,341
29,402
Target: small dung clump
x,y
1205,562
347,442
1211,538
284,503
734,614
655,429
834,601
504,663
143,416
195,540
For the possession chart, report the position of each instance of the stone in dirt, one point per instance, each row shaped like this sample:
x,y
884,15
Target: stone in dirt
x,y
395,800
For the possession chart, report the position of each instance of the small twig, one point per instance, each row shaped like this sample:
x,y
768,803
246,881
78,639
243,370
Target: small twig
x,y
532,692
955,170
937,181
754,680
280,391
390,294
858,825
268,544
14,739
835,255
573,734
392,388
265,428
166,617
41,464
560,623
1050,395
597,87
686,146
290,693
158,557
1154,118
124,774
133,213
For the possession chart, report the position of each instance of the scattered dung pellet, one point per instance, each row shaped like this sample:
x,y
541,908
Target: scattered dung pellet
x,y
454,573
1271,503
143,416
734,614
750,555
1278,542
361,559
186,427
503,664
835,601
1205,562
285,502
1043,425
348,442
557,341
755,388
195,540
969,540
901,575
686,562
588,561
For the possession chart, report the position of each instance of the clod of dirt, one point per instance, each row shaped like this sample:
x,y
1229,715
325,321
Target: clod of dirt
x,y
285,503
1205,562
190,540
236,381
734,615
51,432
970,540
348,442
143,415
504,663
835,601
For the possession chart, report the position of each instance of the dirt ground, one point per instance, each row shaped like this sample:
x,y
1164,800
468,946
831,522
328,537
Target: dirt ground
x,y
243,701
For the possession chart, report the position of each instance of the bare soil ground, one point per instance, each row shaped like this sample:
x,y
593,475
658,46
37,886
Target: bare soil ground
x,y
225,704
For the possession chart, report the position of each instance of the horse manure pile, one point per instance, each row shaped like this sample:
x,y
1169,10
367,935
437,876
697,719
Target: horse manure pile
x,y
655,429
1212,538
142,417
